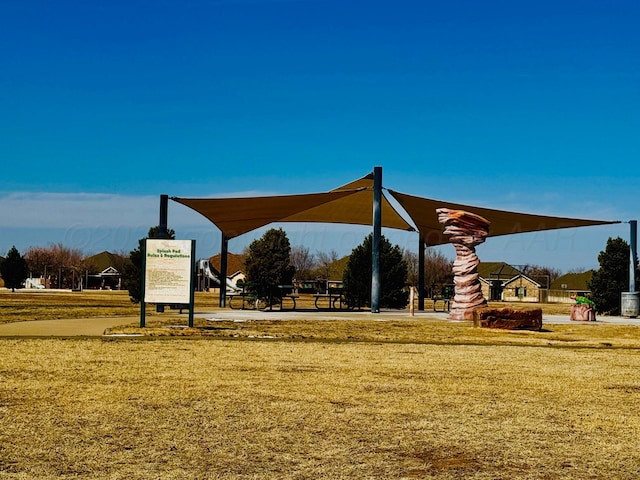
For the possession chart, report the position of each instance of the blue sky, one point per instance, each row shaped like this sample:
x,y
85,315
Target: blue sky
x,y
529,106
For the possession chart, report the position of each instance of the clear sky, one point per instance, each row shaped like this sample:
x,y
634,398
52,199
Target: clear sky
x,y
530,106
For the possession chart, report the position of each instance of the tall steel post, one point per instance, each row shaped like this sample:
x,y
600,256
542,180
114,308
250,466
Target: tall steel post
x,y
163,231
375,245
630,301
224,248
633,254
421,247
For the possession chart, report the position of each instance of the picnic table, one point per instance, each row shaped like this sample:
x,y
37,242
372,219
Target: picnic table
x,y
246,298
288,292
336,299
331,298
251,299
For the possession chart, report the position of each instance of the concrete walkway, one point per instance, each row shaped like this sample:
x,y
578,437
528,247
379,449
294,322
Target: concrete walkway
x,y
77,327
382,316
95,327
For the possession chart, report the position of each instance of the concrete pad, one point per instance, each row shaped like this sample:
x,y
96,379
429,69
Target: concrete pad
x,y
91,327
95,327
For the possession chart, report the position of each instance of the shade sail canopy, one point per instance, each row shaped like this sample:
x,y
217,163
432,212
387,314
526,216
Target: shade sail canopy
x,y
355,209
235,216
350,204
423,213
353,204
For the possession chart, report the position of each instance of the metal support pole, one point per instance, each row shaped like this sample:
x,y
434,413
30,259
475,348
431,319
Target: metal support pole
x,y
192,276
377,234
421,247
224,247
143,305
163,232
633,254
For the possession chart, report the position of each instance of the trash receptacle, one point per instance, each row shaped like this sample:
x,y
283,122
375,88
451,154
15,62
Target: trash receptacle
x,y
630,304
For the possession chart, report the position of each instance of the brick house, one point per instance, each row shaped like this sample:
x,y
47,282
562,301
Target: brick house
x,y
570,283
503,282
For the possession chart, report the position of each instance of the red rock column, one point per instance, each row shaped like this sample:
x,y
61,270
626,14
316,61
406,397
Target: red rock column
x,y
465,230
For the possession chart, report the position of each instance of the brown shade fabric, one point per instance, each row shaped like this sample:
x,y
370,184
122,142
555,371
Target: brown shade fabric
x,y
350,204
356,209
235,216
423,213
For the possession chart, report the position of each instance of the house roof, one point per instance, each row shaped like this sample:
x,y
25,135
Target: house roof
x,y
104,260
497,271
235,262
573,281
520,276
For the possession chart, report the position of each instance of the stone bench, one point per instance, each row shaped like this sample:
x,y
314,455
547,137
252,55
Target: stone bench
x,y
508,319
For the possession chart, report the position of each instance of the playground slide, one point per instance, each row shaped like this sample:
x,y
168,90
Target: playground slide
x,y
33,283
206,268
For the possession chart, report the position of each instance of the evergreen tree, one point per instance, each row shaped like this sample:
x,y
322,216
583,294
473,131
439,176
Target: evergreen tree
x,y
612,278
14,270
132,276
393,274
268,262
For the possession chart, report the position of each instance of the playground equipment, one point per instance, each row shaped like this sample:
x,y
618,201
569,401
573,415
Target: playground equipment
x,y
207,277
33,283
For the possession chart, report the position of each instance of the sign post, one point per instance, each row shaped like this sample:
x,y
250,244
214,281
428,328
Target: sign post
x,y
167,274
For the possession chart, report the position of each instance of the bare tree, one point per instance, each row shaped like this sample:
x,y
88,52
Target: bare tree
x,y
324,263
303,260
64,266
543,275
438,271
413,266
40,261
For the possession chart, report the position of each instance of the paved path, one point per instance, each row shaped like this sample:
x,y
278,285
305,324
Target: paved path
x,y
382,316
78,327
95,327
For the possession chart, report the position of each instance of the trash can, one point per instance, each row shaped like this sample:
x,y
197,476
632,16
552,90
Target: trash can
x,y
630,304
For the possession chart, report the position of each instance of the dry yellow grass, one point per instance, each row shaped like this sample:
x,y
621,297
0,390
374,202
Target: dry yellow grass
x,y
196,408
26,305
402,329
309,399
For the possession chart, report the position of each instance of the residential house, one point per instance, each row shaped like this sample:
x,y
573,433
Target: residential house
x,y
493,275
106,271
568,284
235,271
503,282
521,289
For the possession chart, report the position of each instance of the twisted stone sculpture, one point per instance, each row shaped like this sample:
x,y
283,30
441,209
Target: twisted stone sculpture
x,y
466,230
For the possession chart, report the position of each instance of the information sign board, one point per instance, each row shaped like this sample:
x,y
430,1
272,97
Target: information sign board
x,y
168,271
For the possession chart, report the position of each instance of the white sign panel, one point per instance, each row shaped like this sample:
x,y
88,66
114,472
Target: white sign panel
x,y
168,271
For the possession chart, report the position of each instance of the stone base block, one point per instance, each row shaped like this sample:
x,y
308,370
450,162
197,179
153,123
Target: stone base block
x,y
581,312
508,319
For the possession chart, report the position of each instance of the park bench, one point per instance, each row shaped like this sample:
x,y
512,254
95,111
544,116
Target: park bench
x,y
446,304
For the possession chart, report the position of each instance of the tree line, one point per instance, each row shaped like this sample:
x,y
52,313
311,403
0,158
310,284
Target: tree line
x,y
60,266
271,260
